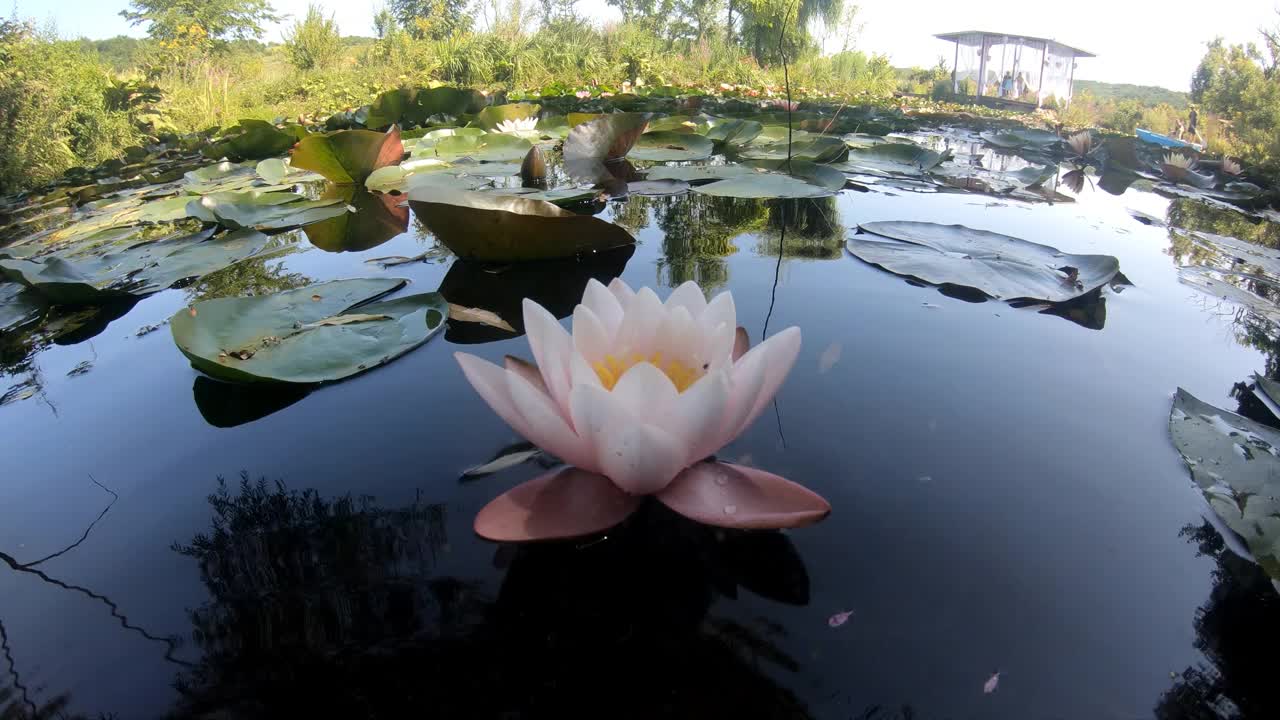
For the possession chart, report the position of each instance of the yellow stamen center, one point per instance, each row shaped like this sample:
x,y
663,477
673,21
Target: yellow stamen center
x,y
612,368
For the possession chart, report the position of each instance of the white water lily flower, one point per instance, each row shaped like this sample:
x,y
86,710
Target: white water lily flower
x,y
518,125
640,394
1081,143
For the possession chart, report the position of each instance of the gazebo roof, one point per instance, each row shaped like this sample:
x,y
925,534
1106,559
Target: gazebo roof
x,y
959,36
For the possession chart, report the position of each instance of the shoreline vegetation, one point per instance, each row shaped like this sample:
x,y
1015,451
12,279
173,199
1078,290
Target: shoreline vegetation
x,y
79,103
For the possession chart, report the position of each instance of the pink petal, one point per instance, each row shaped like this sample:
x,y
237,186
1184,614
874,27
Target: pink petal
x,y
596,412
717,347
745,381
641,459
638,326
551,345
781,352
623,292
741,343
490,381
580,373
604,304
720,310
734,496
991,684
590,338
697,416
839,618
688,296
526,370
544,425
565,503
646,392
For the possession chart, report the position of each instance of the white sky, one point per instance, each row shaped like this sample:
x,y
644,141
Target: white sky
x,y
1144,42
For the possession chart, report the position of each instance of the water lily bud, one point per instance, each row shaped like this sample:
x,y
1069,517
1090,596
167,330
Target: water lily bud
x,y
533,171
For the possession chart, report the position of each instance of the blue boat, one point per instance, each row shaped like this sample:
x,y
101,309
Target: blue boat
x,y
1165,141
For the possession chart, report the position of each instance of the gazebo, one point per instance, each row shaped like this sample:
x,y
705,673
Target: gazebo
x,y
1014,70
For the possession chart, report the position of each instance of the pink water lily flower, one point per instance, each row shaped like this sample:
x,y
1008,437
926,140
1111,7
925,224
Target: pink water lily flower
x,y
635,400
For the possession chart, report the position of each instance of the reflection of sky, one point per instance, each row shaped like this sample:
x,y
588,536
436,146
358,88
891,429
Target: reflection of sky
x,y
1005,494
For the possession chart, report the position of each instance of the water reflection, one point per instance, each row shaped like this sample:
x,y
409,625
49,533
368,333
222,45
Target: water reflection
x,y
811,227
333,608
375,219
255,276
698,233
225,405
1237,630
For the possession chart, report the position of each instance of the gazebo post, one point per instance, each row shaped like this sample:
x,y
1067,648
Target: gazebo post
x,y
955,71
982,66
1044,60
1071,82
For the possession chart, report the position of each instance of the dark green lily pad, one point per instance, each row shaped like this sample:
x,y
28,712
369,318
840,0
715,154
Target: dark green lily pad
x,y
558,196
264,211
695,174
18,305
348,156
668,146
657,188
604,138
255,140
805,180
314,334
892,158
727,131
814,148
999,266
494,228
1019,138
494,115
1235,462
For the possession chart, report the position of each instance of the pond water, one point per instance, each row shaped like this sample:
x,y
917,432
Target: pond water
x,y
1005,499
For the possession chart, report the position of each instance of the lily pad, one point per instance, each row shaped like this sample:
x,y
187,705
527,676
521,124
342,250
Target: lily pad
x,y
1235,462
374,220
1204,280
733,132
893,159
669,146
314,334
494,228
558,196
444,101
18,305
805,180
1019,138
997,265
255,140
695,174
490,147
657,188
815,148
492,116
605,138
264,211
348,156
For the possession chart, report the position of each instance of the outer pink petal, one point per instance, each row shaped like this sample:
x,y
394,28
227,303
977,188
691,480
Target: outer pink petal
x,y
641,459
565,503
689,296
717,347
551,347
604,304
782,350
545,427
526,370
490,381
590,338
745,381
741,343
580,373
734,496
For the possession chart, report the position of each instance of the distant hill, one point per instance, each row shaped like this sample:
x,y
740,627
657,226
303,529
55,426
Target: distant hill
x,y
1145,94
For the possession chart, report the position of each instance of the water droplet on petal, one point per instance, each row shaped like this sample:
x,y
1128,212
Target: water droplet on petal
x,y
730,509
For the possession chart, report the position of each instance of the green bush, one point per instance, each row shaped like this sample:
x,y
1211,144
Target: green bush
x,y
314,42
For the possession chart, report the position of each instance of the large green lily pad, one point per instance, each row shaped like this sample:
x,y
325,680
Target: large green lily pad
x,y
494,115
694,174
670,146
892,158
812,148
255,140
264,211
314,334
726,131
490,147
1235,462
997,265
805,180
496,228
604,138
348,156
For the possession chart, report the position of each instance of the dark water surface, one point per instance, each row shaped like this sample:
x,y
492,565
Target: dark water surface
x,y
1005,498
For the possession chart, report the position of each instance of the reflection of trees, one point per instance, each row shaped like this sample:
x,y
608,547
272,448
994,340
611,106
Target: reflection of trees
x,y
1196,215
330,608
813,229
262,276
1236,630
698,233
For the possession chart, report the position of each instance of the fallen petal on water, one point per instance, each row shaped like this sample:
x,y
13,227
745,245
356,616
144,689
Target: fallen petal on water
x,y
839,618
992,683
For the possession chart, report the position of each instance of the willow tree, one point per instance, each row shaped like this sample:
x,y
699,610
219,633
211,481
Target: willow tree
x,y
772,27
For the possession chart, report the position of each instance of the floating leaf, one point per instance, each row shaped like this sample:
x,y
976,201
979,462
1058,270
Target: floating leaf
x,y
733,132
893,159
1235,462
669,146
374,220
490,147
264,211
389,108
479,315
657,188
297,336
807,180
18,305
254,140
444,101
494,115
490,227
559,196
502,462
817,149
1018,138
997,265
1201,279
348,156
695,174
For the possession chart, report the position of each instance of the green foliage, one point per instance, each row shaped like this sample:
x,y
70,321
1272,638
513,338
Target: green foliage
x,y
314,42
1148,95
54,109
432,19
1242,85
217,20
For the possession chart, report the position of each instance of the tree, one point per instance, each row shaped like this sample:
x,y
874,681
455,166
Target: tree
x,y
771,26
432,19
219,20
1239,83
314,42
